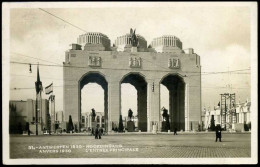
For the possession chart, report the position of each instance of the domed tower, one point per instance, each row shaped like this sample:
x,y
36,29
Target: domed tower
x,y
94,41
167,43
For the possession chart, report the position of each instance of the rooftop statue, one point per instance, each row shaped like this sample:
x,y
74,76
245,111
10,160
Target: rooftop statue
x,y
133,38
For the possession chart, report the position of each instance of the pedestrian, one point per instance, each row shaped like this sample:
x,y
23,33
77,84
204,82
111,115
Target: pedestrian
x,y
29,132
96,133
218,133
99,133
175,131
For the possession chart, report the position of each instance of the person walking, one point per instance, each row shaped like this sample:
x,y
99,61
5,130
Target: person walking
x,y
96,133
218,133
99,133
175,131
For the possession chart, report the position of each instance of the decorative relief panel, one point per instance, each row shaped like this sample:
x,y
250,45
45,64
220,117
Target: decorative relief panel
x,y
135,62
174,63
94,61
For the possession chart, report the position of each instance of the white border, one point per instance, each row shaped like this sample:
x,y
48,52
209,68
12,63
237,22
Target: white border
x,y
5,86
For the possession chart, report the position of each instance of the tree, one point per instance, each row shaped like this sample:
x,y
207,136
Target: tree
x,y
70,125
212,123
121,127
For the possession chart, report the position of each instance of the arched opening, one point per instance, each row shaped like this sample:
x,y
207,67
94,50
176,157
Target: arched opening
x,y
140,95
93,94
176,103
128,101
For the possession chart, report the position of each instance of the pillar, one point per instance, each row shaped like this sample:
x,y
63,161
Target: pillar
x,y
113,103
187,127
86,121
106,109
153,105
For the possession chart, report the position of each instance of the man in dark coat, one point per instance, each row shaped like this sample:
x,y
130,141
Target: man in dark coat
x,y
218,133
96,133
99,133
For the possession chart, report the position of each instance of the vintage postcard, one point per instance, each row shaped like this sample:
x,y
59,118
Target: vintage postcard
x,y
129,83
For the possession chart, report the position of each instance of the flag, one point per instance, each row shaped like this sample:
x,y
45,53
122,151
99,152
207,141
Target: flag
x,y
38,83
49,89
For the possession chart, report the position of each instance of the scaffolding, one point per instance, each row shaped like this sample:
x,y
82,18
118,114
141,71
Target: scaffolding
x,y
228,110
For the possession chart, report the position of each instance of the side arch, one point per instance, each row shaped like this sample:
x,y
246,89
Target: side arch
x,y
93,77
139,82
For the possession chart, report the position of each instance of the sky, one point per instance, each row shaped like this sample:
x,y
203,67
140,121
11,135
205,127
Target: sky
x,y
220,35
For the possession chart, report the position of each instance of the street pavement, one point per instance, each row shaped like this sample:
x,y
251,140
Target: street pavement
x,y
199,145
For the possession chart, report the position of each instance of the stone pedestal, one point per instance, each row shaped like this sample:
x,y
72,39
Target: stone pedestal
x,y
134,49
94,124
164,129
154,129
130,126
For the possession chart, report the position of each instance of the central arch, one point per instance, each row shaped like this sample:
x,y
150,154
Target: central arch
x,y
140,84
176,87
94,77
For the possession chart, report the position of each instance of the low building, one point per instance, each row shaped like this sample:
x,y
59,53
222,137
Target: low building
x,y
242,116
22,112
86,120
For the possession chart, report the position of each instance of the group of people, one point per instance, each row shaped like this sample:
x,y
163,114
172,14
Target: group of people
x,y
97,132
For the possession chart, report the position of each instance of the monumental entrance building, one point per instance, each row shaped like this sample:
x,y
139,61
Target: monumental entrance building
x,y
94,60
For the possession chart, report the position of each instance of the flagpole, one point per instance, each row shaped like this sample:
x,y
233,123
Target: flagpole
x,y
36,115
54,108
36,120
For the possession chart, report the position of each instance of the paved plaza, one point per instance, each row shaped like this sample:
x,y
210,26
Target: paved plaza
x,y
131,145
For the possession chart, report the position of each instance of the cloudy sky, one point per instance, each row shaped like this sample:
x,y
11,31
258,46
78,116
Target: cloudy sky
x,y
220,34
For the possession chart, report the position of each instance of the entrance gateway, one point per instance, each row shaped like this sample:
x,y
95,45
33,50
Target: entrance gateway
x,y
93,60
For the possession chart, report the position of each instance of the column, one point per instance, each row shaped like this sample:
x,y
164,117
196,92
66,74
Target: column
x,y
85,120
242,117
114,102
187,127
153,105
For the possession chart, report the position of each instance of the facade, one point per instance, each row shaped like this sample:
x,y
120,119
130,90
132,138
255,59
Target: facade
x,y
24,111
242,116
86,120
145,68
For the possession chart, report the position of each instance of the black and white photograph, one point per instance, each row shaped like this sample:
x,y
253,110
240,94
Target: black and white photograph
x,y
129,83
